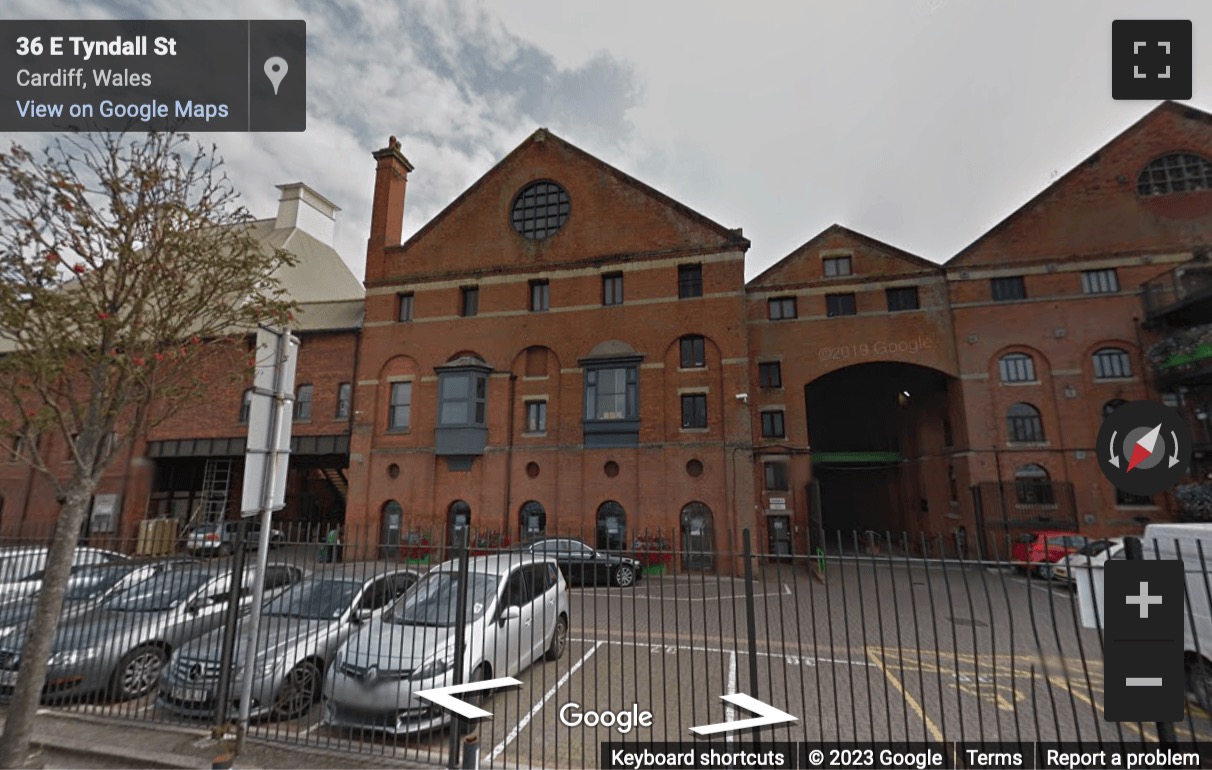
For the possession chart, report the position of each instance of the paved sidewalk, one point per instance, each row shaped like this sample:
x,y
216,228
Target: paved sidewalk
x,y
64,741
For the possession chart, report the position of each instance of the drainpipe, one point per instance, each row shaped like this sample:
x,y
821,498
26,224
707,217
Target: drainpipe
x,y
353,416
513,379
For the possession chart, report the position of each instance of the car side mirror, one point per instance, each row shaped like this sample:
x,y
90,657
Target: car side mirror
x,y
510,613
361,615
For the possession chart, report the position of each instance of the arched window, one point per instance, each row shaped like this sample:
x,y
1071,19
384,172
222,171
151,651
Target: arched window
x,y
1032,486
458,516
1176,172
1111,406
698,537
1024,423
612,526
1110,363
392,525
1017,367
532,521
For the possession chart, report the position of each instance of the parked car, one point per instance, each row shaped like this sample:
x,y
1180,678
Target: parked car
x,y
583,565
1044,548
87,587
21,567
219,538
121,646
301,629
1093,554
517,613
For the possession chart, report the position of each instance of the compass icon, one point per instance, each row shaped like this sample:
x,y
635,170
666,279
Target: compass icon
x,y
1144,448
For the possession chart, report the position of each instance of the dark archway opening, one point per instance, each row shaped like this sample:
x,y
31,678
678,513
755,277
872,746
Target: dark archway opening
x,y
880,435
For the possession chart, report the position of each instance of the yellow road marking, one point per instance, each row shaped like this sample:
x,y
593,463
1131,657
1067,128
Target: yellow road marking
x,y
936,733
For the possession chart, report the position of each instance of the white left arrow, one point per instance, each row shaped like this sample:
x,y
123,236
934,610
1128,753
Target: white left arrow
x,y
445,696
767,715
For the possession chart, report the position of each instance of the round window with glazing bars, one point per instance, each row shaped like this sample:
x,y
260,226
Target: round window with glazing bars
x,y
540,209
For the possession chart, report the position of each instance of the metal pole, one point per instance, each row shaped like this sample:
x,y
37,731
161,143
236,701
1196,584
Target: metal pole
x,y
230,621
267,487
471,752
751,626
460,673
1165,730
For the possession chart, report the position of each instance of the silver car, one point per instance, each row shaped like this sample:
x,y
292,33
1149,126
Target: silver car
x,y
219,538
302,627
87,587
21,567
120,647
517,613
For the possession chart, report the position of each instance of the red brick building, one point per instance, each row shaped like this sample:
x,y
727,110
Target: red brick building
x,y
566,350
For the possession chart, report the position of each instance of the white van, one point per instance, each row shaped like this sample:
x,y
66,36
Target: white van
x,y
1193,544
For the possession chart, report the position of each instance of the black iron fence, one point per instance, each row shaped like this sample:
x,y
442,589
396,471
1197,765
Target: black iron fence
x,y
873,637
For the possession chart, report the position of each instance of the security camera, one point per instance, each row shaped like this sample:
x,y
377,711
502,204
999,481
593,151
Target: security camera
x,y
742,397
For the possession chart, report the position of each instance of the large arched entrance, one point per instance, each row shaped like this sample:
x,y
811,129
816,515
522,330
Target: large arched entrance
x,y
880,435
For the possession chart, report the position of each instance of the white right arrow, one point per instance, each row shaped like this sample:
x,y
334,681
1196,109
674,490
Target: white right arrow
x,y
444,696
767,715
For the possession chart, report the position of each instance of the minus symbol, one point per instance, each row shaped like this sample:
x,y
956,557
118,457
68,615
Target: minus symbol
x,y
1143,681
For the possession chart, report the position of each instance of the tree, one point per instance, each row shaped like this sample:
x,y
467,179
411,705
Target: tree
x,y
126,261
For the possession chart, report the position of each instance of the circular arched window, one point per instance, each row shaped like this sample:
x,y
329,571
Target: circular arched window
x,y
539,210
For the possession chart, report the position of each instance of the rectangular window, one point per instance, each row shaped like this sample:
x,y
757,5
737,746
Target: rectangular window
x,y
781,308
1008,289
469,304
401,406
462,399
690,281
610,394
694,410
770,374
303,403
344,394
693,355
404,307
776,476
536,416
539,296
1100,281
840,304
772,424
612,289
902,298
835,266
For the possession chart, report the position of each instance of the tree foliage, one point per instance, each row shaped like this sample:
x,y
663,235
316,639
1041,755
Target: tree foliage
x,y
126,261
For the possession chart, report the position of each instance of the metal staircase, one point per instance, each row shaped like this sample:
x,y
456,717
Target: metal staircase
x,y
216,487
336,479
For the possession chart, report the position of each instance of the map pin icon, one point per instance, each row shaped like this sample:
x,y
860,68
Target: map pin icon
x,y
275,70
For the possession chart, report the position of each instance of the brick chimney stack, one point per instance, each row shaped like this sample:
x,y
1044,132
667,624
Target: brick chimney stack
x,y
387,212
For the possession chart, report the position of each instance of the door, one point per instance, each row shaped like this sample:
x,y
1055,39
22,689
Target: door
x,y
515,635
393,521
780,535
698,548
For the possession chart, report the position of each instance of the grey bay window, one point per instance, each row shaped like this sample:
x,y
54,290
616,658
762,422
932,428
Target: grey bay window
x,y
612,410
462,407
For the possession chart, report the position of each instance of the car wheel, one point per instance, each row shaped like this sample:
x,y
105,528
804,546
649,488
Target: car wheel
x,y
225,549
624,575
138,672
559,640
299,692
477,699
1046,571
1199,681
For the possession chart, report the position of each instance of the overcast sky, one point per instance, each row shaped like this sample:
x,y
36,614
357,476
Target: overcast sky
x,y
919,122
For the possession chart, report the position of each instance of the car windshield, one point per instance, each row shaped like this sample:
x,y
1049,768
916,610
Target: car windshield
x,y
92,582
324,599
205,529
162,592
1094,548
434,601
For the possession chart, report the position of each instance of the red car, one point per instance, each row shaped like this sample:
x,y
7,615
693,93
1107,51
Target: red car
x,y
1045,547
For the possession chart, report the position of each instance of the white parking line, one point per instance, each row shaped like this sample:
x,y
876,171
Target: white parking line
x,y
729,711
670,649
500,747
